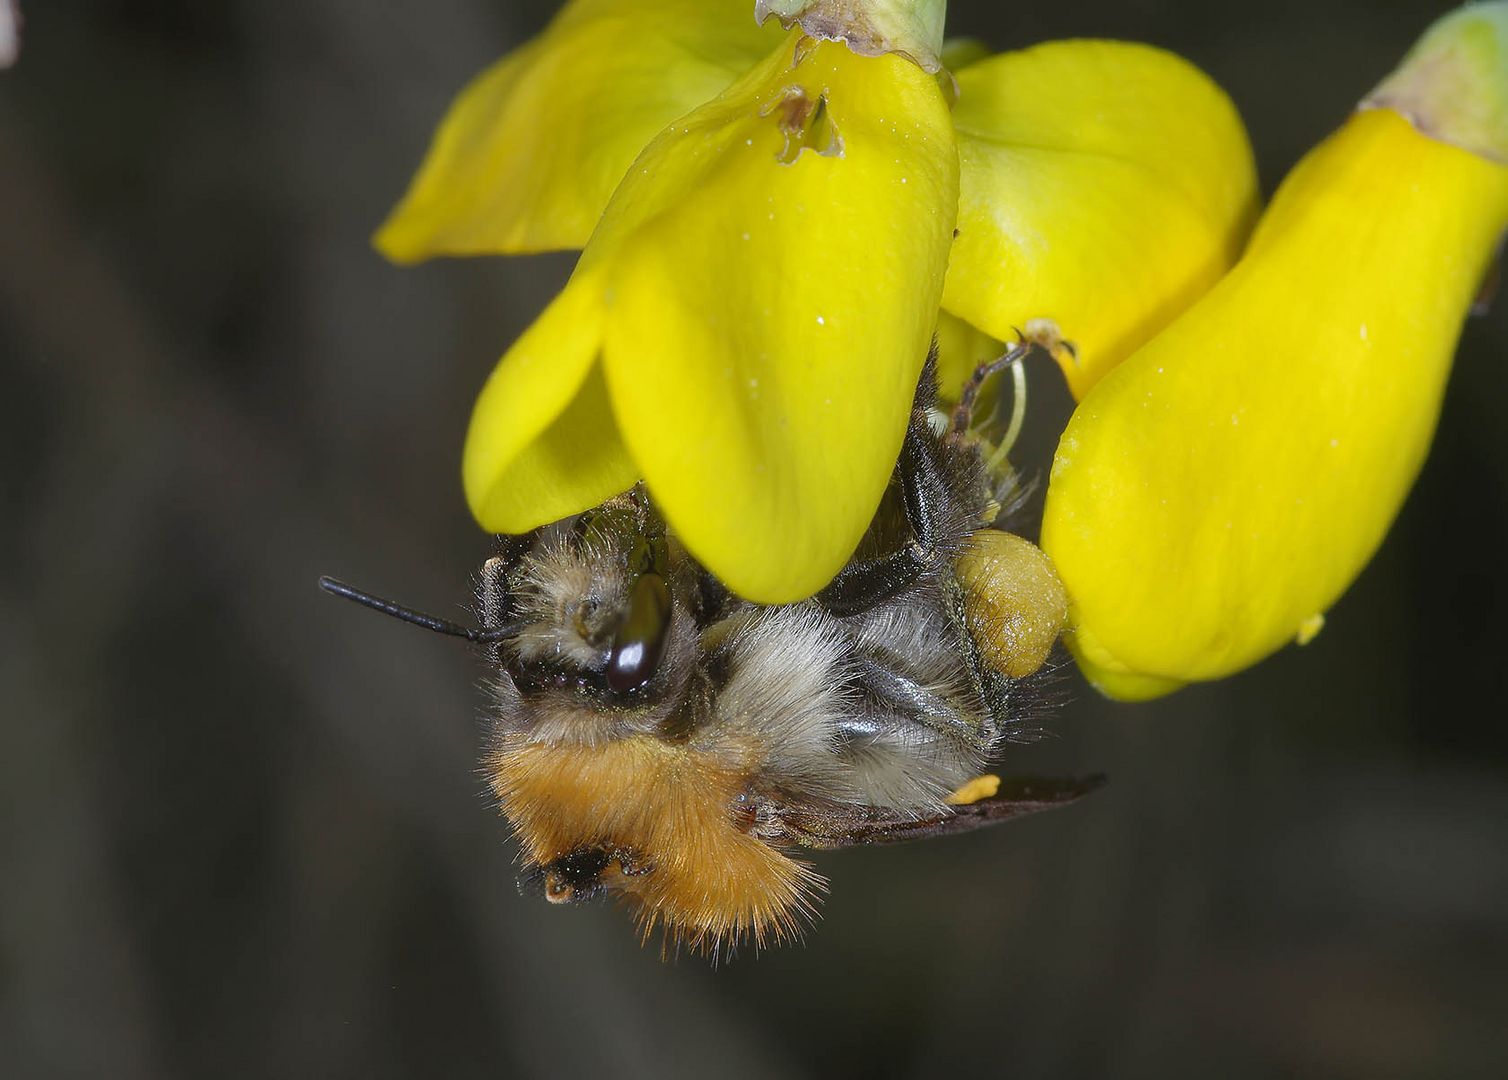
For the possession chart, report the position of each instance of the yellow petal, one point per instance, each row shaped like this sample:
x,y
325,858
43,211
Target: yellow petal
x,y
1221,488
531,150
778,259
542,443
959,53
1105,187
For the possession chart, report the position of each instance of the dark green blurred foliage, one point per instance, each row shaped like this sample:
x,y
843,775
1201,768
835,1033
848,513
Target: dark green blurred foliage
x,y
244,834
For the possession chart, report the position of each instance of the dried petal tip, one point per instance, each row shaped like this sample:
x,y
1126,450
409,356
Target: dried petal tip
x,y
1453,84
911,28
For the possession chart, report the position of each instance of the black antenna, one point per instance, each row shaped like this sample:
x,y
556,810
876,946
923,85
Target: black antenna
x,y
419,618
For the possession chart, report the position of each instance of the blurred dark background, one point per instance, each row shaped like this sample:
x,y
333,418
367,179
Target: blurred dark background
x,y
243,831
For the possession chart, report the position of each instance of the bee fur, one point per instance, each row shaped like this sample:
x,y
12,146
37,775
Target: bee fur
x,y
686,786
658,739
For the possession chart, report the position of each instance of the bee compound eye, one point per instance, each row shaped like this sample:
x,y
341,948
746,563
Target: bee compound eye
x,y
640,639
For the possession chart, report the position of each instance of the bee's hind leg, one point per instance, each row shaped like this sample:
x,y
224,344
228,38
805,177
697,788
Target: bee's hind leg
x,y
862,585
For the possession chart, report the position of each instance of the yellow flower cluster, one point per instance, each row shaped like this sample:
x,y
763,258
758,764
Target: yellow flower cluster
x,y
771,224
775,223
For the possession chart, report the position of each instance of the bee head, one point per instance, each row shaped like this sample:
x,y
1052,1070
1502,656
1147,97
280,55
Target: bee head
x,y
601,645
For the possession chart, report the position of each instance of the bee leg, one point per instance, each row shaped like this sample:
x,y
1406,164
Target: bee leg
x,y
963,412
492,591
862,585
930,708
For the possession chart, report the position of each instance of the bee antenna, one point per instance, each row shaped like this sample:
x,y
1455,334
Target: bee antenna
x,y
418,618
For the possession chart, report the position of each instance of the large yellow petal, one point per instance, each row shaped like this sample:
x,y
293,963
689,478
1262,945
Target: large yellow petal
x,y
1105,186
1216,493
778,259
531,150
542,443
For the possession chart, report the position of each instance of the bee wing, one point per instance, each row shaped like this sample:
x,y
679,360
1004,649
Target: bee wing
x,y
1017,796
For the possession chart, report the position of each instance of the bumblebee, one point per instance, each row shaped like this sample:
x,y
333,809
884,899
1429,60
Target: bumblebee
x,y
658,738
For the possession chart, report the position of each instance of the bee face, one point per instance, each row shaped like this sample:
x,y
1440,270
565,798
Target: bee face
x,y
603,646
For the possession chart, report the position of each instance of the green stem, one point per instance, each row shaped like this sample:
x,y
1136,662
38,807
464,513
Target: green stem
x,y
911,28
1453,84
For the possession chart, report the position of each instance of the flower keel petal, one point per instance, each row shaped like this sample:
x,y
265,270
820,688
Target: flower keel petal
x,y
771,315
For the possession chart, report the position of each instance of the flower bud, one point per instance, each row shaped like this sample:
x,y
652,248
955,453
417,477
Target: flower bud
x,y
1217,492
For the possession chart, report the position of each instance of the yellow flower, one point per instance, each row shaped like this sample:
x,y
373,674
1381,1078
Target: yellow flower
x,y
747,322
1215,494
756,380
